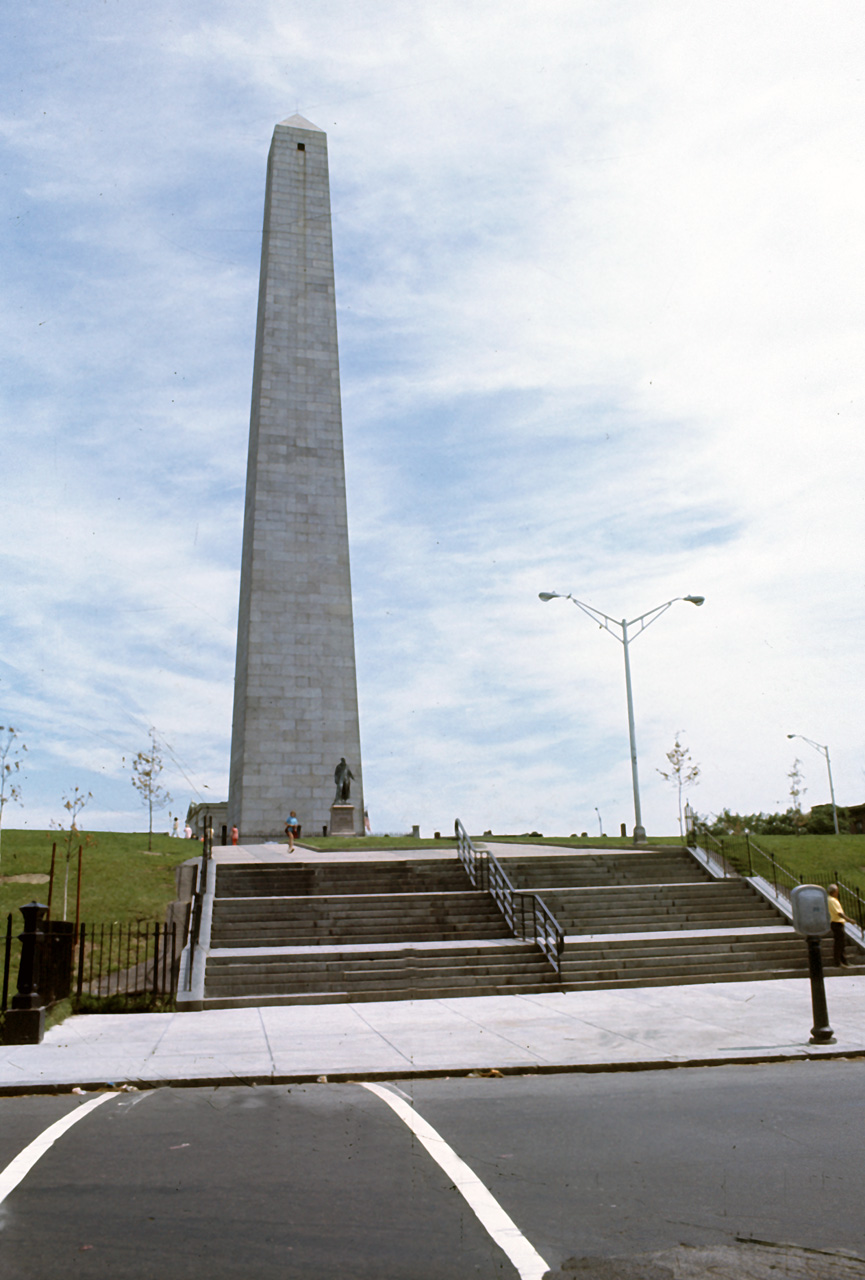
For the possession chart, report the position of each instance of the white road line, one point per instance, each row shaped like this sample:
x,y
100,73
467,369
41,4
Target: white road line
x,y
25,1160
487,1209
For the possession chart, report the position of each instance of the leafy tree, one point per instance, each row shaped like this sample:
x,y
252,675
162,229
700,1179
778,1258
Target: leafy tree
x,y
146,768
682,773
10,764
818,822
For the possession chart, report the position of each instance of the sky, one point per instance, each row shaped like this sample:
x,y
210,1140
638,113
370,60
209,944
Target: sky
x,y
600,277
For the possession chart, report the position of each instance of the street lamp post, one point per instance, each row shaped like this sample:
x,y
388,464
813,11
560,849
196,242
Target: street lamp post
x,y
824,751
608,623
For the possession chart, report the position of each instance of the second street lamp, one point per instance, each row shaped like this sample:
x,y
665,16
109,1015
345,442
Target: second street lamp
x,y
824,751
608,623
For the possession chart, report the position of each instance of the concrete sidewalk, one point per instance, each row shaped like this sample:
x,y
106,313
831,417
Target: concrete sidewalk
x,y
625,1029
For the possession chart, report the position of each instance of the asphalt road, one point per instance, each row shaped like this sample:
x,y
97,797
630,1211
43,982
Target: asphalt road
x,y
325,1182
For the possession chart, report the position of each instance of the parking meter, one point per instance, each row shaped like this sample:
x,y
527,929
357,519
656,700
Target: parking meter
x,y
810,903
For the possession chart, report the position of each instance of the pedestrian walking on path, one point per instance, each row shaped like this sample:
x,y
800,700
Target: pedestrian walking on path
x,y
838,919
292,827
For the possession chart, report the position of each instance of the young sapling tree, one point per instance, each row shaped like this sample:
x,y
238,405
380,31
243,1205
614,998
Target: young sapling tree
x,y
10,764
146,768
73,804
681,774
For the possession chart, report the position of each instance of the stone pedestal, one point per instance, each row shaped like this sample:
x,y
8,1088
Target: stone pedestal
x,y
342,819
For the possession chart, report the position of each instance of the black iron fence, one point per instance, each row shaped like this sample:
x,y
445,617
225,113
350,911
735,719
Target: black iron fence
x,y
744,857
526,914
130,965
136,961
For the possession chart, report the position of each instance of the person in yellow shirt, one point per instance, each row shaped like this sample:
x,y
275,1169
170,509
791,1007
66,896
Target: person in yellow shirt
x,y
837,920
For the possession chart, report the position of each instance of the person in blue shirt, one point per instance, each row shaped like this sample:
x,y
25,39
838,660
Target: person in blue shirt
x,y
292,826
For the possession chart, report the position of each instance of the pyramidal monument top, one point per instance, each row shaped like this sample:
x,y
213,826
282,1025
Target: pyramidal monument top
x,y
300,122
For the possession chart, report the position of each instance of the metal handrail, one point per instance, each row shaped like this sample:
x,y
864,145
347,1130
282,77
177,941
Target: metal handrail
x,y
697,834
526,914
756,863
198,893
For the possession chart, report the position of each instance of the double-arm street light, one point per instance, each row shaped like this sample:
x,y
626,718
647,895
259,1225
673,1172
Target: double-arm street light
x,y
824,751
608,623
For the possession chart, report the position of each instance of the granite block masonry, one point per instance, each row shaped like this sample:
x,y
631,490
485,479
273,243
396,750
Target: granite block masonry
x,y
295,696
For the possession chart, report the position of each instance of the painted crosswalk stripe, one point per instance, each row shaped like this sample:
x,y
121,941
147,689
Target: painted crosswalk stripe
x,y
483,1204
25,1160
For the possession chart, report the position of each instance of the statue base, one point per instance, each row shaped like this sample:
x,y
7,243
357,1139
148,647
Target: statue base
x,y
342,820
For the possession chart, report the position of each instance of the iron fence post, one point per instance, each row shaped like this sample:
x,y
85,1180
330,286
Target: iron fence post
x,y
79,985
6,963
155,960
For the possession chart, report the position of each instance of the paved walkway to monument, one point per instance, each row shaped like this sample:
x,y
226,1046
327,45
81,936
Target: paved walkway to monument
x,y
278,852
626,1029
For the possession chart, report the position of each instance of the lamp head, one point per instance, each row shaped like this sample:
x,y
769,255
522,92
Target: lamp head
x,y
791,735
548,595
697,600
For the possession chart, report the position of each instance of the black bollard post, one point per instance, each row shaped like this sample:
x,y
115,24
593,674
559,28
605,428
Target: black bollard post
x,y
24,1021
27,996
821,1032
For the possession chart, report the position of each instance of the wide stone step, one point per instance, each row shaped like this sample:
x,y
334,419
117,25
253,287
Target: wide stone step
x,y
598,868
284,908
358,937
397,973
279,879
238,984
302,921
361,996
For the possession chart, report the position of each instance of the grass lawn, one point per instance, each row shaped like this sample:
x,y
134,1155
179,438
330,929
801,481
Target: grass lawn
x,y
812,857
120,880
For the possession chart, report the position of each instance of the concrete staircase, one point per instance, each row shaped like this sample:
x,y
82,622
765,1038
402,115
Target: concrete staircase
x,y
317,932
668,960
730,904
378,973
323,932
658,918
368,918
596,868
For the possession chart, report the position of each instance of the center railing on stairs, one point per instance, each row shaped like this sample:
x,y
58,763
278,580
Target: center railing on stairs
x,y
526,914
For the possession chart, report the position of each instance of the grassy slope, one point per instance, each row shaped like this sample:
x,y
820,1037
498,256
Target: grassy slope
x,y
808,855
120,880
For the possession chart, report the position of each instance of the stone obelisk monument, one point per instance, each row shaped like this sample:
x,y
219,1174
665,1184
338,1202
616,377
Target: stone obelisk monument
x,y
295,694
